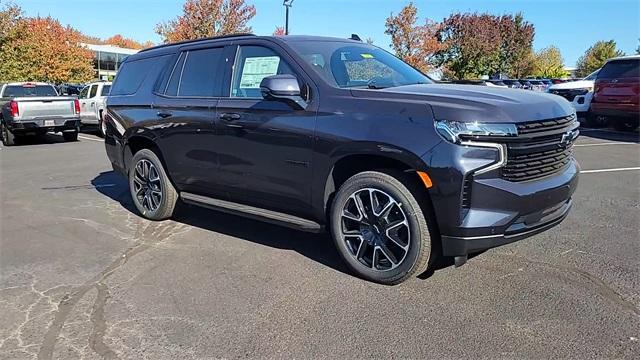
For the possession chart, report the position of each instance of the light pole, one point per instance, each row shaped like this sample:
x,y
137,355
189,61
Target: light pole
x,y
287,4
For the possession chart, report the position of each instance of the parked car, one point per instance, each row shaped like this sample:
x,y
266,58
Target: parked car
x,y
579,94
617,92
537,85
69,89
526,84
318,132
498,83
34,108
511,83
92,102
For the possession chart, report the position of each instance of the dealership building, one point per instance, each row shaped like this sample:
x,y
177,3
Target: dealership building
x,y
107,59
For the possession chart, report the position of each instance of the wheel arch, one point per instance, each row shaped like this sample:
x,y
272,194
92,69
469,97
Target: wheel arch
x,y
383,157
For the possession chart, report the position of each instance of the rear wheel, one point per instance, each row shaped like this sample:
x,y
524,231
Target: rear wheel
x,y
625,124
70,135
8,138
152,192
379,227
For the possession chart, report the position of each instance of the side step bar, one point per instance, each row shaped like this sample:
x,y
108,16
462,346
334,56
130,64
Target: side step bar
x,y
270,216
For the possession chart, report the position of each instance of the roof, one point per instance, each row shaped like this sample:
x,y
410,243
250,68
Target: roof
x,y
627,57
243,35
110,48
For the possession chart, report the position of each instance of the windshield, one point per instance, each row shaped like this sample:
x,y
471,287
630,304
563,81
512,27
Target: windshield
x,y
349,65
29,90
592,76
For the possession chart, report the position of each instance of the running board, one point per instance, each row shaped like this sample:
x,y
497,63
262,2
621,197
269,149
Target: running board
x,y
270,216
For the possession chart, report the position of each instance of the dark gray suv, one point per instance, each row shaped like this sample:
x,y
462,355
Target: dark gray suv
x,y
319,133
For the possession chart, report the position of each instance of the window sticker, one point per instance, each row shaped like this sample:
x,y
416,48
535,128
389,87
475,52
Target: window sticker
x,y
366,56
257,68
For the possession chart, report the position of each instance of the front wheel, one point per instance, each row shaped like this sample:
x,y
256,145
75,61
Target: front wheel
x,y
379,227
152,192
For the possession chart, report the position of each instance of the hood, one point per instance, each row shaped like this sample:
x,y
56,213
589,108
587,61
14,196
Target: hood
x,y
478,103
580,84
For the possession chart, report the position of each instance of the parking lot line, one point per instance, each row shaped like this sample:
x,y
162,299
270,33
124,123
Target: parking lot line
x,y
606,143
88,138
609,170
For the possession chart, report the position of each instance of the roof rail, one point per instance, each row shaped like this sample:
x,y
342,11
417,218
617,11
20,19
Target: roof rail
x,y
196,40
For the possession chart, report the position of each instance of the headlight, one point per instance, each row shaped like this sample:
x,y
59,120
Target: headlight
x,y
582,91
456,131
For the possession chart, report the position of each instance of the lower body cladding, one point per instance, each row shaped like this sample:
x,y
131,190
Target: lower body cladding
x,y
41,126
477,208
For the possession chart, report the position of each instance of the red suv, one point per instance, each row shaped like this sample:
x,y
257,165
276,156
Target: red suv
x,y
617,92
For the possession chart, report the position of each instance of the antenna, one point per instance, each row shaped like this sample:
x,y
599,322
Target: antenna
x,y
355,37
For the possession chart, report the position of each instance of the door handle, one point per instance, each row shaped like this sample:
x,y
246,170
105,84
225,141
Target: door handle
x,y
164,114
93,104
230,116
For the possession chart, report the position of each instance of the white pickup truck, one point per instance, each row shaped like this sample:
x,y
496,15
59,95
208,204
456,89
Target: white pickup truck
x,y
92,100
34,108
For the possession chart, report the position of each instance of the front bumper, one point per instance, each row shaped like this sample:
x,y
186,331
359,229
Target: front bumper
x,y
43,125
489,211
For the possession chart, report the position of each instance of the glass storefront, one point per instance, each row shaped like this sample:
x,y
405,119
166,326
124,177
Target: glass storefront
x,y
107,59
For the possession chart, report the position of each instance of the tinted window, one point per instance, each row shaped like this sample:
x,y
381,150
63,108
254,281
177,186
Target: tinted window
x,y
172,86
254,63
131,76
84,92
93,91
620,69
357,65
105,90
29,90
593,75
200,73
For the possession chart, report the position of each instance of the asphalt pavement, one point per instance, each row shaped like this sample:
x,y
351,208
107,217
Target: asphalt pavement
x,y
83,276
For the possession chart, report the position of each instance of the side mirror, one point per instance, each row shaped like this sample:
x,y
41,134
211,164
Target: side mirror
x,y
283,88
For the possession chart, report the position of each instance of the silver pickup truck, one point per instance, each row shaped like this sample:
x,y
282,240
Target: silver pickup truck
x,y
34,108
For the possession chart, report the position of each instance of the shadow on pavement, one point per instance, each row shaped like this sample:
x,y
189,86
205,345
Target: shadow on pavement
x,y
610,134
317,247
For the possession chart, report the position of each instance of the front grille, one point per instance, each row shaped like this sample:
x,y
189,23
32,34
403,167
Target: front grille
x,y
568,94
539,150
522,166
535,127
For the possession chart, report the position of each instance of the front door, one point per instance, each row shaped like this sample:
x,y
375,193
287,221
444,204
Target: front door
x,y
264,147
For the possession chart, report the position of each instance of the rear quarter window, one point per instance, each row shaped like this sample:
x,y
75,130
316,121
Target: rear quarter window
x,y
620,69
132,74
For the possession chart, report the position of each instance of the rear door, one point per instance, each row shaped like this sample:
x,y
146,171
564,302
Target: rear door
x,y
618,84
186,118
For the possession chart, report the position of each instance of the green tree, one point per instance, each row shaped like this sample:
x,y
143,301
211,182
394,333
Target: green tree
x,y
206,18
596,56
548,63
476,44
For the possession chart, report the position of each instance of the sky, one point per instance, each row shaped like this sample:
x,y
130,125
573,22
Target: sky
x,y
571,25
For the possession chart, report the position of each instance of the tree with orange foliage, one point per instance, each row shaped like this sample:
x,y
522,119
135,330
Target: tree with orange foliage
x,y
206,18
120,41
279,31
41,49
414,44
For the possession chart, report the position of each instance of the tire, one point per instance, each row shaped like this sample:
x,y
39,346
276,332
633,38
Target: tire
x,y
102,126
594,121
151,190
625,124
70,136
8,138
399,225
